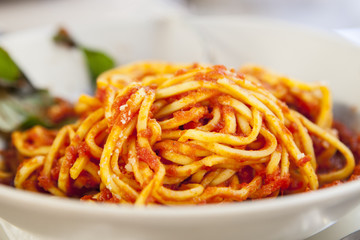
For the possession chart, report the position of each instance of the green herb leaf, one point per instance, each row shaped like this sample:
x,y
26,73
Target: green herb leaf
x,y
22,105
24,111
32,121
8,69
97,62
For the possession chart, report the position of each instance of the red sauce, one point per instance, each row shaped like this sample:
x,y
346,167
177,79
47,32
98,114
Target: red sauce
x,y
87,198
150,199
54,172
30,184
352,140
308,109
171,171
124,113
284,107
101,94
219,71
334,183
180,72
146,133
285,130
304,160
60,111
293,127
219,125
356,171
87,180
148,157
76,139
190,114
70,157
45,182
182,115
179,96
227,109
295,185
47,136
118,102
192,125
207,168
104,196
240,75
83,149
271,184
349,138
246,174
195,65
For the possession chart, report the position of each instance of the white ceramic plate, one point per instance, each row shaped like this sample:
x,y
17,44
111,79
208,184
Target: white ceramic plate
x,y
298,52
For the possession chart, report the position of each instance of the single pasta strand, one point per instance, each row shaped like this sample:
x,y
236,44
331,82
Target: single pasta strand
x,y
27,169
350,161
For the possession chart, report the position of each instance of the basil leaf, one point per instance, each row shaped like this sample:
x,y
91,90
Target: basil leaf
x,y
24,111
97,62
9,72
21,104
32,121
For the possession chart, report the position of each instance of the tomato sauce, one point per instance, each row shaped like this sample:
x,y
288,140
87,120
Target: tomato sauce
x,y
60,111
116,106
213,75
45,182
83,150
146,133
303,161
148,157
180,72
105,196
101,94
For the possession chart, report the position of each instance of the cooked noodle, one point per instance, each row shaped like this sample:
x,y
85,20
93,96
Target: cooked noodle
x,y
158,133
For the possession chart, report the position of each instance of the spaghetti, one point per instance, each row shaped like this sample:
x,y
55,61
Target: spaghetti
x,y
158,133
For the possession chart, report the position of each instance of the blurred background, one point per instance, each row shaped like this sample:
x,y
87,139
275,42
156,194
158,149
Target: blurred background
x,y
319,13
328,14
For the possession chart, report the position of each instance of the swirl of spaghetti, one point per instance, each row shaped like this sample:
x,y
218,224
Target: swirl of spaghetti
x,y
161,133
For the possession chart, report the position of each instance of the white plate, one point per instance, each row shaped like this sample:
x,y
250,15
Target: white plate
x,y
298,52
